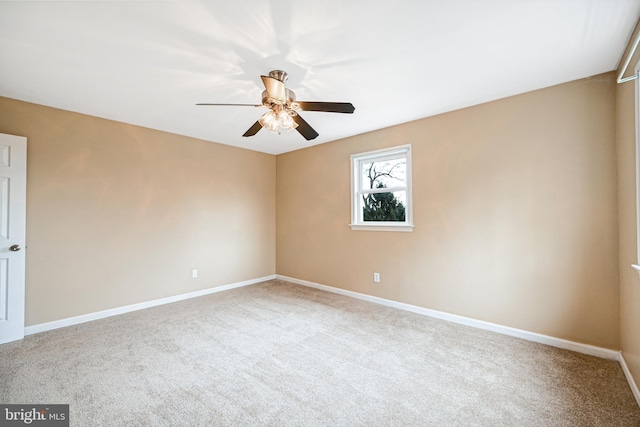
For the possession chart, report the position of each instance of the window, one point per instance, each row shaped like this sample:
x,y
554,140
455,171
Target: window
x,y
637,144
381,190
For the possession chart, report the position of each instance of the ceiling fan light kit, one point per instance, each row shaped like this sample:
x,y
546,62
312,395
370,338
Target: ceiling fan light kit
x,y
277,121
283,108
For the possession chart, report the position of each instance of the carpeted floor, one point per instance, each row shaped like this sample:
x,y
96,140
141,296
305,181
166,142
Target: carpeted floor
x,y
281,354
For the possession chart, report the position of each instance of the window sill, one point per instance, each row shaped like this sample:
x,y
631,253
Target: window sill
x,y
385,227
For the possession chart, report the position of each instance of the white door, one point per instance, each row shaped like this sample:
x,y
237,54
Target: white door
x,y
13,204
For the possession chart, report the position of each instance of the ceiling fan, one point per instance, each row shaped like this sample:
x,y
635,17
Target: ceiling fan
x,y
283,108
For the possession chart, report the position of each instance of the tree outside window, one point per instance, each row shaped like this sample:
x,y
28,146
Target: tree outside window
x,y
383,205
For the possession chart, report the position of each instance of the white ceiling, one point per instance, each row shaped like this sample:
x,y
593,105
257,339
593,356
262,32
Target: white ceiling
x,y
149,62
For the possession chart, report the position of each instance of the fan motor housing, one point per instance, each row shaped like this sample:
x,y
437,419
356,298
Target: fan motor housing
x,y
290,102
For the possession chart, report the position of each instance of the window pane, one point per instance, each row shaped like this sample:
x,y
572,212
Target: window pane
x,y
384,206
384,174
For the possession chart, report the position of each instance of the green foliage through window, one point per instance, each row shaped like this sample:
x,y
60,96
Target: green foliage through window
x,y
382,207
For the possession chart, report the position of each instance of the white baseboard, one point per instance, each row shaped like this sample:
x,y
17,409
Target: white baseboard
x,y
34,329
630,380
591,350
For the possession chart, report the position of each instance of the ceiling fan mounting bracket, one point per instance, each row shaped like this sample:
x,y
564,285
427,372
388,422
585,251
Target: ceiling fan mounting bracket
x,y
279,75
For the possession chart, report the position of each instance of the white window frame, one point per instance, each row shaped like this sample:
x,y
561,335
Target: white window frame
x,y
637,146
357,222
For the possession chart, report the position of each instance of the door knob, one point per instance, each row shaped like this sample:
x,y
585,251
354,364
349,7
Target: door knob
x,y
14,248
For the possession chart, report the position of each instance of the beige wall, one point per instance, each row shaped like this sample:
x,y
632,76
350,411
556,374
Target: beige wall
x,y
119,214
629,279
515,214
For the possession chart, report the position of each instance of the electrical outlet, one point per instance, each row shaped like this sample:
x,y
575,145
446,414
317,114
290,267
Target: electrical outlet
x,y
194,273
376,277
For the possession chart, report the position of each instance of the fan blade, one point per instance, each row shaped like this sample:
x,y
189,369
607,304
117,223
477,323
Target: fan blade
x,y
275,88
234,105
253,129
329,107
303,127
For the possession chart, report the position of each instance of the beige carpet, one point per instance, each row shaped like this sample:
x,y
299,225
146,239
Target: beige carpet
x,y
281,354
